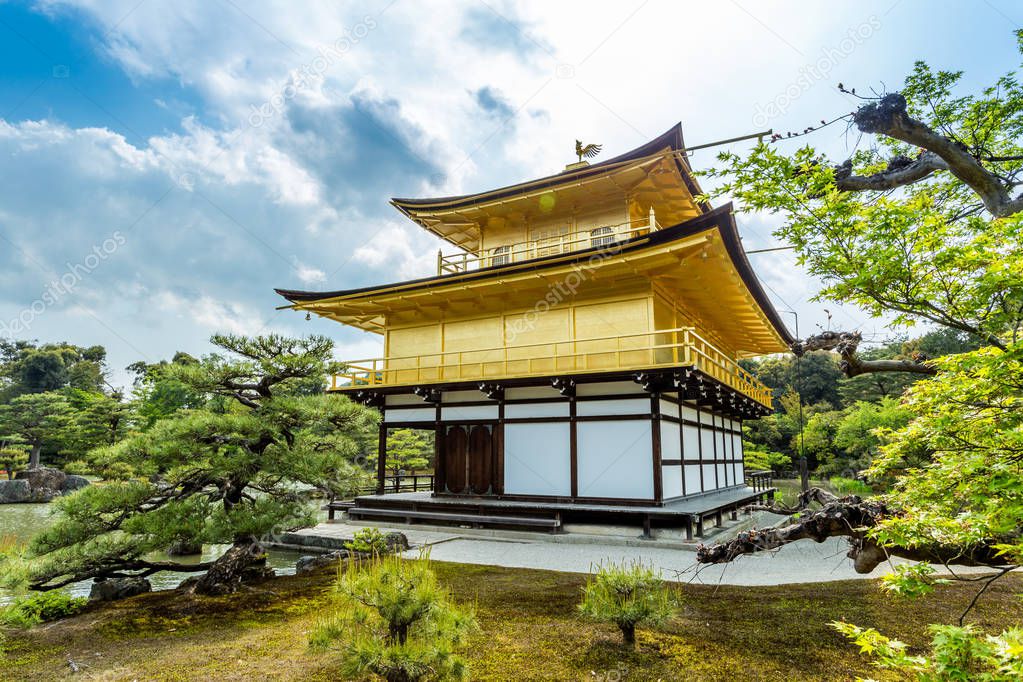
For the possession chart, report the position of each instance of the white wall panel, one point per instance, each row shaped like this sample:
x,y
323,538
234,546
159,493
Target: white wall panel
x,y
690,442
671,481
707,440
692,479
404,400
537,459
462,397
530,393
589,408
473,412
670,409
709,482
615,459
609,388
722,476
671,447
422,414
689,413
737,474
536,410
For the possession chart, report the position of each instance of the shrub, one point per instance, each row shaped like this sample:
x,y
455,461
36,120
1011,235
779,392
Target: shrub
x,y
757,457
393,619
40,608
627,595
367,541
957,653
848,486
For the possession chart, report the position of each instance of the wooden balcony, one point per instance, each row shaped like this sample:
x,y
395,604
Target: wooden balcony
x,y
665,348
597,236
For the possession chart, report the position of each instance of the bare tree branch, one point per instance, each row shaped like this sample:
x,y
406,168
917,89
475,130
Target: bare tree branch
x,y
845,345
901,171
888,116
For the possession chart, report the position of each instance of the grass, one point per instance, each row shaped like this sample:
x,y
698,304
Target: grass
x,y
529,631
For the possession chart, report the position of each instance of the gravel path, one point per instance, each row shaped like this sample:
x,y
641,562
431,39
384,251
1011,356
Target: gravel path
x,y
800,562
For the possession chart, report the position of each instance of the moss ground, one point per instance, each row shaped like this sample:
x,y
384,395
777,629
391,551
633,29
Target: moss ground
x,y
529,631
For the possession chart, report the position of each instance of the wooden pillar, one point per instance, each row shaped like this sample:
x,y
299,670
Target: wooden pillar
x,y
655,433
381,457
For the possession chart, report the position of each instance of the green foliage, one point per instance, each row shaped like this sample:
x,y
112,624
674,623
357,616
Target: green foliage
x,y
911,580
958,654
971,491
757,458
627,595
409,450
26,612
393,619
848,486
36,419
367,541
212,477
27,368
13,458
815,376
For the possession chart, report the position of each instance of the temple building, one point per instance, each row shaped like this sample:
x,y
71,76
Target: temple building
x,y
576,356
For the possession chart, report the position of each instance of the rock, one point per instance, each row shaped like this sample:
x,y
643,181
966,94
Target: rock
x,y
184,548
311,563
15,491
43,479
113,589
396,542
73,483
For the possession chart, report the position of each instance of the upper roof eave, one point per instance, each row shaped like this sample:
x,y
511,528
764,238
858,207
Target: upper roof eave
x,y
671,138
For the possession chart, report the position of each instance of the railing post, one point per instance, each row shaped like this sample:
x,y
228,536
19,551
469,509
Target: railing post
x,y
653,219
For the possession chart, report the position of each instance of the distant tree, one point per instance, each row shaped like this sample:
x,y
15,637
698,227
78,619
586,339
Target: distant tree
x,y
815,376
36,419
859,435
206,477
408,450
394,619
99,419
757,457
13,458
158,394
819,437
28,368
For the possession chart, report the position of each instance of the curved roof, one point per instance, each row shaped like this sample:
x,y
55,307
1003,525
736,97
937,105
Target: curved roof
x,y
671,139
352,305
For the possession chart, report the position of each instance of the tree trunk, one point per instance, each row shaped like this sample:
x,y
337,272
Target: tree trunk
x,y
244,560
33,458
628,634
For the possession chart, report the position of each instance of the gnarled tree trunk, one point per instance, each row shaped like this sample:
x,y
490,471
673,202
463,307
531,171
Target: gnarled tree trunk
x,y
245,560
851,517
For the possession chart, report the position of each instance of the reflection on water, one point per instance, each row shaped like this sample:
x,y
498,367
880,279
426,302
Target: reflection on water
x,y
22,521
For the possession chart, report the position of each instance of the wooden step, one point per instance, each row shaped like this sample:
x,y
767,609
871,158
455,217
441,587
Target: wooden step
x,y
475,519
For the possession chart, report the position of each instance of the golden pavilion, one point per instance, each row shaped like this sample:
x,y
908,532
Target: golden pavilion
x,y
577,354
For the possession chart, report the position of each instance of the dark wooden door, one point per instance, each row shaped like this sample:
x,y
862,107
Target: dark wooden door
x,y
456,447
481,459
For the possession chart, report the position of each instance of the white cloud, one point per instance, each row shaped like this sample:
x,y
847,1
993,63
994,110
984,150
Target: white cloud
x,y
220,212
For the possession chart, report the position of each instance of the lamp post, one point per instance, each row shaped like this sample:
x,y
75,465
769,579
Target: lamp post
x,y
804,473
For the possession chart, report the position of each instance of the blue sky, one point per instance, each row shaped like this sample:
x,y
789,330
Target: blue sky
x,y
166,165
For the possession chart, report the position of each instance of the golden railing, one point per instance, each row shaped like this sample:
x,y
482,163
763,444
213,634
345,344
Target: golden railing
x,y
596,236
681,347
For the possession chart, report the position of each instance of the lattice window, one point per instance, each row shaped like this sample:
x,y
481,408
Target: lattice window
x,y
602,236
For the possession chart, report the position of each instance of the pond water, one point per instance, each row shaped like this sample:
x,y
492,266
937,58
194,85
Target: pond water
x,y
22,521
